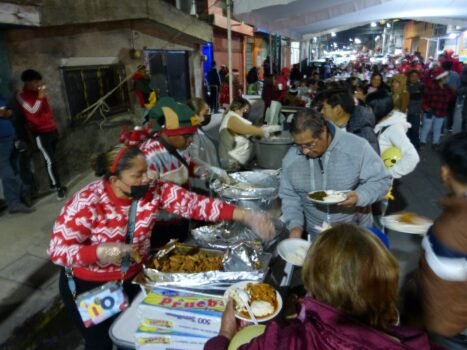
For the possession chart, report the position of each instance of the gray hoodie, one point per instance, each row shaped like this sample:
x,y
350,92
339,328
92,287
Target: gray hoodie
x,y
349,163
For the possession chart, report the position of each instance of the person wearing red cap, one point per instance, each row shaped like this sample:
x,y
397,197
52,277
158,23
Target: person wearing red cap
x,y
435,104
145,93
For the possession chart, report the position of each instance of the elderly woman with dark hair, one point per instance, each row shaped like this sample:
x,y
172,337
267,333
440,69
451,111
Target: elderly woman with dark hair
x,y
352,284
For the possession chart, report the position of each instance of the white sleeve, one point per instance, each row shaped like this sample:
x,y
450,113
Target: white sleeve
x,y
410,158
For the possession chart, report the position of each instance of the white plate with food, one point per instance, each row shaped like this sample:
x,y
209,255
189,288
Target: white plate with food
x,y
265,302
407,222
327,197
293,250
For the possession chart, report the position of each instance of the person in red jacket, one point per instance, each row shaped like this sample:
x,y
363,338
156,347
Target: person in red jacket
x,y
90,233
41,123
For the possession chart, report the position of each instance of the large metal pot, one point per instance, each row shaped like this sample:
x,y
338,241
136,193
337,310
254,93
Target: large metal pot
x,y
257,190
269,152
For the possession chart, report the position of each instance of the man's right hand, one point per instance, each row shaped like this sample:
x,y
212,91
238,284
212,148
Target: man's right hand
x,y
296,232
42,92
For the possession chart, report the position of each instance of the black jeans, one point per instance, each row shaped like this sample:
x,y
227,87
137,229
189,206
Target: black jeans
x,y
47,144
414,132
95,337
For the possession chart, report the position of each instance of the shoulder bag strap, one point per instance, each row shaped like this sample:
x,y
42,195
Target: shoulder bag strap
x,y
125,261
172,150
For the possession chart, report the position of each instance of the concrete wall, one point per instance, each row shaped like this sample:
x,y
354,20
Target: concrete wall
x,y
5,90
44,48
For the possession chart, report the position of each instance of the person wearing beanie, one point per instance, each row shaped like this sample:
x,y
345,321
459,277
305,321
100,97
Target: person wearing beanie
x,y
41,122
400,96
169,160
435,104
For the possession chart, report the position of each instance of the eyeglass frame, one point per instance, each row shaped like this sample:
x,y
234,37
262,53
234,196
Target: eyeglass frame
x,y
310,145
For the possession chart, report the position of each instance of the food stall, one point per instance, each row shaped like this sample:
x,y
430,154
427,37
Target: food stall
x,y
220,261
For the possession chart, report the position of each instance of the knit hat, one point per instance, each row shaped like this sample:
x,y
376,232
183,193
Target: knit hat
x,y
173,118
439,74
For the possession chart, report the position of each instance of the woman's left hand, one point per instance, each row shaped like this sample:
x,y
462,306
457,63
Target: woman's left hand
x,y
261,223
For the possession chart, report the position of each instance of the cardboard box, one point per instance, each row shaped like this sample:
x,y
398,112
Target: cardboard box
x,y
180,311
154,338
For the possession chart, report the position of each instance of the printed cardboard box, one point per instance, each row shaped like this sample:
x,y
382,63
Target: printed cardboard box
x,y
192,313
154,338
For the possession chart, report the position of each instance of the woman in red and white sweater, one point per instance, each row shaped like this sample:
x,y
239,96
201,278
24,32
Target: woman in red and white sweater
x,y
90,233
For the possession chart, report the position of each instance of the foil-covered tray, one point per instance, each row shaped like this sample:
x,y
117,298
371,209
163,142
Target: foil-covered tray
x,y
224,235
240,262
256,184
227,234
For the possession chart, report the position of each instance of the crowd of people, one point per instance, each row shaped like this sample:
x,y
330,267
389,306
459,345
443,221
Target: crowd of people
x,y
357,136
390,110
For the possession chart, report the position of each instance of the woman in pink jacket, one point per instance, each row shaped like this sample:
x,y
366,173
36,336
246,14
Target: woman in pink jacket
x,y
352,284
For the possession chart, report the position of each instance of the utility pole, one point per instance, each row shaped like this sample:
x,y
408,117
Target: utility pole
x,y
229,48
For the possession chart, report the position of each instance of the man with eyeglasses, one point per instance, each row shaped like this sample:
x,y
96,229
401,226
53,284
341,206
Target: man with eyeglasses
x,y
325,157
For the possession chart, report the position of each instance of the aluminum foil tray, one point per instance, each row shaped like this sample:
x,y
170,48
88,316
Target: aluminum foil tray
x,y
240,263
223,235
248,185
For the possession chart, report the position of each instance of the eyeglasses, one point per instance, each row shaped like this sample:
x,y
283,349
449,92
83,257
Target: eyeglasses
x,y
306,146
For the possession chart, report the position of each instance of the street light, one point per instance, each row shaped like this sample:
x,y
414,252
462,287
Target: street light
x,y
388,25
333,34
373,24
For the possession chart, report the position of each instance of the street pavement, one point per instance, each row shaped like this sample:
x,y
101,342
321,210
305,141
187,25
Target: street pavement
x,y
31,316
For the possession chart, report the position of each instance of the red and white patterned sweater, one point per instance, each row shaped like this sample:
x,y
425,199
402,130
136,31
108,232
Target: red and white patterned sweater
x,y
94,215
169,168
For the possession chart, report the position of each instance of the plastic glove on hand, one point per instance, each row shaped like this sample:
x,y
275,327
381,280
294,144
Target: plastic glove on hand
x,y
221,174
265,131
113,253
204,173
261,223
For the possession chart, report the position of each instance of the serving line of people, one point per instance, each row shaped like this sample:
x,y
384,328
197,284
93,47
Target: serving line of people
x,y
351,280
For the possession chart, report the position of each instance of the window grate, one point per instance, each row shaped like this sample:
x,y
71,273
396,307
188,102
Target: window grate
x,y
85,85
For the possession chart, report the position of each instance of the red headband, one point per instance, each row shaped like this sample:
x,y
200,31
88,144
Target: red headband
x,y
117,159
180,131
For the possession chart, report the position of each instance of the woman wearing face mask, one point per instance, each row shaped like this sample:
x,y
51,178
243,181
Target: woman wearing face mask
x,y
203,146
90,234
235,147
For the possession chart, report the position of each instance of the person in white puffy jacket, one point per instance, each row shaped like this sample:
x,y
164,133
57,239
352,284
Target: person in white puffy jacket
x,y
391,129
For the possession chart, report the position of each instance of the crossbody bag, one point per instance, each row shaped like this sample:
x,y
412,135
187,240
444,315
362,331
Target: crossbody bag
x,y
109,299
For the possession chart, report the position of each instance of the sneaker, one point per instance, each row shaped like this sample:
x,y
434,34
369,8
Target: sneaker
x,y
435,147
22,209
61,193
27,200
422,146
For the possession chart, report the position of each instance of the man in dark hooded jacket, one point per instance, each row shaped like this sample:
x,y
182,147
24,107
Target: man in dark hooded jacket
x,y
339,107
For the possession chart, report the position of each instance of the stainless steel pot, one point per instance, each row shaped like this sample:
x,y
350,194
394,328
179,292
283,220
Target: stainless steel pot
x,y
269,152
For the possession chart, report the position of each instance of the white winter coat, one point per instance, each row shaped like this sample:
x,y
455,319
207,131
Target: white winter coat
x,y
392,131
